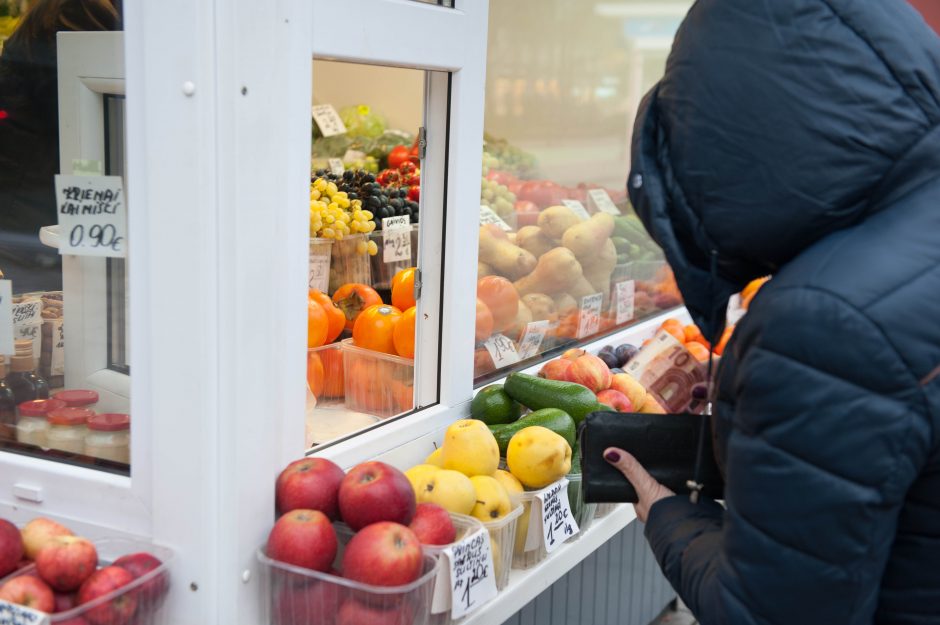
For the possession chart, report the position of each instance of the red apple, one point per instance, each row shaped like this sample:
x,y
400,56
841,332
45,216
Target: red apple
x,y
315,603
373,492
38,532
155,588
303,538
75,620
590,371
353,612
432,525
309,484
115,611
11,548
615,399
66,561
573,354
383,554
64,601
28,591
556,369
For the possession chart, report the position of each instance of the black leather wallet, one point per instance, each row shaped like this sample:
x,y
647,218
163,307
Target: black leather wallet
x,y
665,444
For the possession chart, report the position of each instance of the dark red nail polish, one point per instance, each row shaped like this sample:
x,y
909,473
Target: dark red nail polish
x,y
612,456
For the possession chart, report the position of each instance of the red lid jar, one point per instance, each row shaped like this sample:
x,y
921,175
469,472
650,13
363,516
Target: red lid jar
x,y
70,416
39,407
109,422
77,398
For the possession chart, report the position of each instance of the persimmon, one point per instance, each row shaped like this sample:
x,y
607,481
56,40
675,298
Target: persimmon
x,y
403,334
484,327
353,298
334,383
315,374
693,334
374,326
335,317
317,324
698,351
675,328
403,289
501,297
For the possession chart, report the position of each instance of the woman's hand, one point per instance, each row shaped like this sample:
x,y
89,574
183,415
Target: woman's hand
x,y
647,489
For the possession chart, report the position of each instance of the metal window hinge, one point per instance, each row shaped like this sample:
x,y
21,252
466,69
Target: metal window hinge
x,y
417,284
422,142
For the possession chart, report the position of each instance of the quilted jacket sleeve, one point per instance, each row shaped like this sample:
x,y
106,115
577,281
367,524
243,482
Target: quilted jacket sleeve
x,y
829,430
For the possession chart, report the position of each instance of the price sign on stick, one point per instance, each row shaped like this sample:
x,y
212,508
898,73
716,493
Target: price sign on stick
x,y
577,208
589,321
12,614
532,339
92,215
396,239
625,294
6,317
328,120
502,350
602,202
488,216
467,580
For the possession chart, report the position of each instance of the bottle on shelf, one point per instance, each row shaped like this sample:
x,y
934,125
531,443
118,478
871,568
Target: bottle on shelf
x,y
23,379
7,405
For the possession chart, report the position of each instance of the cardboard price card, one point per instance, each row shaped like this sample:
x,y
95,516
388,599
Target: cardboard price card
x,y
396,239
328,120
488,216
601,201
502,350
589,321
577,208
551,522
532,339
12,614
467,580
92,215
6,318
625,294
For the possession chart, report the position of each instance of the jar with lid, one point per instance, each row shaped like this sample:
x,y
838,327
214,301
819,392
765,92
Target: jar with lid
x,y
7,405
67,429
23,380
78,398
109,437
33,424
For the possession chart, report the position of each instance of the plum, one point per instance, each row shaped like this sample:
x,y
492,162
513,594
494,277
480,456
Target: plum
x,y
624,353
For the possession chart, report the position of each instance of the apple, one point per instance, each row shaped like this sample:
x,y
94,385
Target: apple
x,y
140,564
590,371
115,611
615,399
354,612
309,484
432,525
38,532
383,554
28,591
75,620
66,561
375,491
11,548
556,369
303,538
629,386
573,354
315,603
64,601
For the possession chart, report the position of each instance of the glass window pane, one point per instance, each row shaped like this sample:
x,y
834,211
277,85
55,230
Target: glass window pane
x,y
563,258
64,392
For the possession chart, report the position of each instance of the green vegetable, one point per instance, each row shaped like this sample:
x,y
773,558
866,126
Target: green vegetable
x,y
537,393
558,421
493,406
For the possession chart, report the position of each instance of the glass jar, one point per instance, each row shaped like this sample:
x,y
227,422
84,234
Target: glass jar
x,y
78,398
23,380
67,429
7,405
109,437
33,425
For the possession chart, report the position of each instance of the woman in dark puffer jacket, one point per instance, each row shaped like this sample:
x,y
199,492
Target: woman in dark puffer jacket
x,y
801,138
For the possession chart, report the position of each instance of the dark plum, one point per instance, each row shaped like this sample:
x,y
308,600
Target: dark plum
x,y
624,353
609,358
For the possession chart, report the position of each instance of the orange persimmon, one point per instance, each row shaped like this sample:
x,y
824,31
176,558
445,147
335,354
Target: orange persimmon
x,y
374,326
698,351
403,289
353,298
317,324
315,374
403,334
335,317
675,328
333,379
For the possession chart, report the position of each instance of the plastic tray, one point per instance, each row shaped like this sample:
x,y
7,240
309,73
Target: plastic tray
x,y
350,262
293,595
583,514
146,594
382,272
376,383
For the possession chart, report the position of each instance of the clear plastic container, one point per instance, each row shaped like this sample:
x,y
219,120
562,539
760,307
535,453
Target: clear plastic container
x,y
524,559
350,261
377,383
583,512
67,429
78,398
502,540
603,509
383,272
465,526
109,437
318,273
32,425
291,594
144,597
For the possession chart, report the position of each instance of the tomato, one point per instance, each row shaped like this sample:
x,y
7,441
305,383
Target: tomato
x,y
403,289
315,374
501,298
484,321
403,334
397,156
317,324
374,326
335,317
353,298
333,378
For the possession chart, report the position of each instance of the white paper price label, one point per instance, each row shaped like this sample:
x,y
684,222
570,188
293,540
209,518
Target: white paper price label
x,y
488,216
57,366
396,239
577,208
554,514
502,350
589,321
353,155
601,201
6,318
336,166
318,273
92,215
532,339
12,614
328,120
467,580
27,312
625,294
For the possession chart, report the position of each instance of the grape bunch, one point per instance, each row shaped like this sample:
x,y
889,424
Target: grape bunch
x,y
378,201
335,215
497,197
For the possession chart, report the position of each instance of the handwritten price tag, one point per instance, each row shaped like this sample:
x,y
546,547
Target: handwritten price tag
x,y
6,317
532,339
12,614
577,208
58,347
589,321
92,215
625,294
27,312
488,216
602,202
336,166
328,120
396,239
469,570
318,273
502,350
554,512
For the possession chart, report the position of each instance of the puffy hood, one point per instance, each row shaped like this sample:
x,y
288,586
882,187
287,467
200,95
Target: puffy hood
x,y
777,123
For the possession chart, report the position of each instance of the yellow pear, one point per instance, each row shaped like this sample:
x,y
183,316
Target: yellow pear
x,y
492,500
436,458
509,481
418,475
538,456
451,490
470,447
